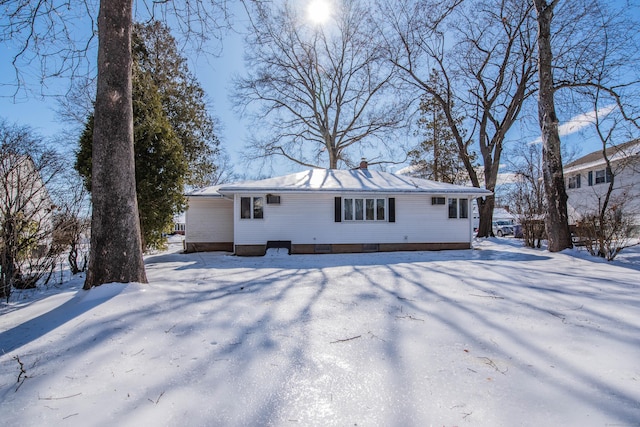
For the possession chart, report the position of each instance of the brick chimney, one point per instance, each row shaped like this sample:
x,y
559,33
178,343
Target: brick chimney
x,y
363,164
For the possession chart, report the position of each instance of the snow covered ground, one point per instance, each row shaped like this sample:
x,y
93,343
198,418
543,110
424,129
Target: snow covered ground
x,y
496,336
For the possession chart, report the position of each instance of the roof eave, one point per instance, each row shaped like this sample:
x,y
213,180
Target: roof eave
x,y
471,192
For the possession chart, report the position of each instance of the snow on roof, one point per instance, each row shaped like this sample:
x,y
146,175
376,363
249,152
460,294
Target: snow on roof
x,y
357,180
206,192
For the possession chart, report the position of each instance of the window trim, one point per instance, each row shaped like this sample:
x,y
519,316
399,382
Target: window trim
x,y
601,176
459,209
363,209
463,208
252,207
573,182
452,205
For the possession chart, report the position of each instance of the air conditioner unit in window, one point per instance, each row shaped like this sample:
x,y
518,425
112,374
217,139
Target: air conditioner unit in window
x,y
273,199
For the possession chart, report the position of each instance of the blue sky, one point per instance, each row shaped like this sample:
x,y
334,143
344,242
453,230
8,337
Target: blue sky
x,y
213,72
215,75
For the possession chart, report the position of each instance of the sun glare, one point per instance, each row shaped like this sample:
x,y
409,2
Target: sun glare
x,y
319,11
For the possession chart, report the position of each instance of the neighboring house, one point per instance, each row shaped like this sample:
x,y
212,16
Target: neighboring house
x,y
22,190
331,211
179,224
587,181
502,214
26,208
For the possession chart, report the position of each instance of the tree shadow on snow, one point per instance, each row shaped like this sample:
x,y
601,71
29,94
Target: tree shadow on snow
x,y
84,301
226,260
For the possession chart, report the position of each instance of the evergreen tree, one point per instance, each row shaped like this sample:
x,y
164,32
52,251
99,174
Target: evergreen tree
x,y
161,166
437,157
183,100
159,159
174,144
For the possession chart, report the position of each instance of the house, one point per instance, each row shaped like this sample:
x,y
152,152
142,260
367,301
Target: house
x,y
587,181
503,214
26,222
179,224
331,211
209,224
23,192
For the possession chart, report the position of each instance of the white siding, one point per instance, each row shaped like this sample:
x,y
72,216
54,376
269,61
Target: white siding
x,y
309,219
587,199
209,220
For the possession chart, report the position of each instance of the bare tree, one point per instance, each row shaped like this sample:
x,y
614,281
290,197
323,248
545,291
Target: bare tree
x,y
27,167
325,91
44,31
585,46
611,225
557,219
484,53
224,172
71,222
525,196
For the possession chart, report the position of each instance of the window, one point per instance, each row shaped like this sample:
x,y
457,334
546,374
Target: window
x,y
364,209
359,209
464,208
370,204
458,208
245,207
251,208
602,176
257,208
453,208
574,181
348,209
437,200
380,209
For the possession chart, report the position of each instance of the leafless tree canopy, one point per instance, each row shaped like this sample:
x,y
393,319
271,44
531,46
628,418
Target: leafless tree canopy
x,y
55,33
588,49
484,52
57,39
27,169
325,91
50,39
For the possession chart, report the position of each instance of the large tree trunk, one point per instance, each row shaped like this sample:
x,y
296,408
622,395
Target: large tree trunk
x,y
116,250
487,204
485,211
556,220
